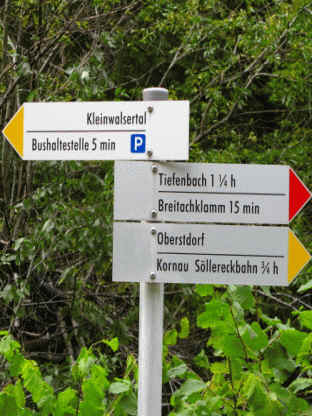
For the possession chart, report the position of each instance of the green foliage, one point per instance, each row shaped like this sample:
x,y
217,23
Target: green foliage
x,y
91,392
247,366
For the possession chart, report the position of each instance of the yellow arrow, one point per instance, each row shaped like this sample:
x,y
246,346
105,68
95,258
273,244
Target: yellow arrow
x,y
14,131
298,256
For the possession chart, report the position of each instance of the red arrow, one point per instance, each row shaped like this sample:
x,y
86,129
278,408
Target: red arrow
x,y
299,194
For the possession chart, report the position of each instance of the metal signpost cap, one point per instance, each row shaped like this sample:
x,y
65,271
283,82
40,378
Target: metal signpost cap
x,y
155,94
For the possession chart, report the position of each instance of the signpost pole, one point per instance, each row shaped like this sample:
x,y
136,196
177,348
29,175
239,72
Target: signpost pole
x,y
151,325
150,348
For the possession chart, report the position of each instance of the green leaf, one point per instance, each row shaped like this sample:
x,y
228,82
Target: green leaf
x,y
305,353
190,386
18,393
215,311
121,386
301,383
8,405
128,405
93,395
93,389
243,295
31,376
17,364
98,375
84,363
294,405
278,360
305,319
88,407
42,393
177,371
113,343
7,294
47,226
237,364
132,366
8,347
232,346
204,290
305,287
18,243
254,391
254,337
66,403
219,367
201,360
249,385
185,328
170,337
291,339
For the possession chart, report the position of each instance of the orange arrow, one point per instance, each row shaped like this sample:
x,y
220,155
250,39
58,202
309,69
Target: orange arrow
x,y
298,256
14,131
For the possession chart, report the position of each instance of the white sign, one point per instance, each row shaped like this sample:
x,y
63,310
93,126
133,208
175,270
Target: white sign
x,y
204,192
206,253
101,130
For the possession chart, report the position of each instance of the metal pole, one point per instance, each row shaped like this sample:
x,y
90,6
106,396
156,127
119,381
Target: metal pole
x,y
151,326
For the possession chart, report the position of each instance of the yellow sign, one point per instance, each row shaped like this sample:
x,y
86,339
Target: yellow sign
x,y
298,256
14,131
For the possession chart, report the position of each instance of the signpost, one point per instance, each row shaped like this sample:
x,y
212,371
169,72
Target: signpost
x,y
206,253
191,195
205,192
101,130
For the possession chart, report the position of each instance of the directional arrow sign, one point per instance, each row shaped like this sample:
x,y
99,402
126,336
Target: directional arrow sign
x,y
206,253
101,130
204,192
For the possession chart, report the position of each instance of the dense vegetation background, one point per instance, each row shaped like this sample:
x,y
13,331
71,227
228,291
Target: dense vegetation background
x,y
68,334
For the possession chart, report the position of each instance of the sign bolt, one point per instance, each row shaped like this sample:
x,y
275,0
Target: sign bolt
x,y
154,213
150,109
153,276
154,169
149,153
153,231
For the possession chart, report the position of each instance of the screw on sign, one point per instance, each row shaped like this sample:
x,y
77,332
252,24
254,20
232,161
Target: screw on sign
x,y
207,253
105,130
207,192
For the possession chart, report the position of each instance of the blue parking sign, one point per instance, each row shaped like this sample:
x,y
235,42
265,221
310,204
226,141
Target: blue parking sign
x,y
138,143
